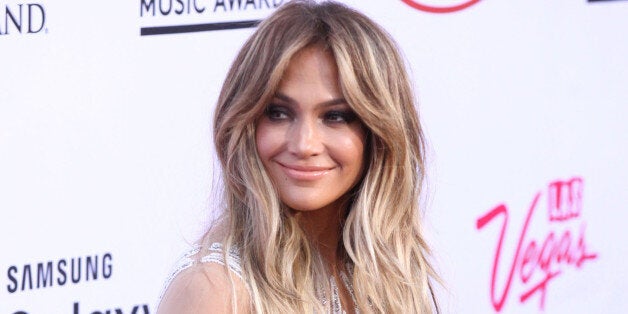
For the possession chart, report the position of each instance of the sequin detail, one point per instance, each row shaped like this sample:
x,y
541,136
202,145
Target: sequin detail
x,y
215,256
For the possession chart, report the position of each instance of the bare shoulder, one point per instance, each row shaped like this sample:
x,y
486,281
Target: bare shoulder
x,y
205,288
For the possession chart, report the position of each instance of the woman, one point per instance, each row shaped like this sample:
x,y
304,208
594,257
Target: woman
x,y
322,157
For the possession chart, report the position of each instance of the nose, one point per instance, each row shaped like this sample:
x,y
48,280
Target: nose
x,y
305,140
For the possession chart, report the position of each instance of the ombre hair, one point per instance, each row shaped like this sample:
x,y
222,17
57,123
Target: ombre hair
x,y
381,235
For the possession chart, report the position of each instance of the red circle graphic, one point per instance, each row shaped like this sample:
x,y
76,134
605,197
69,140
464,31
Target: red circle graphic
x,y
434,9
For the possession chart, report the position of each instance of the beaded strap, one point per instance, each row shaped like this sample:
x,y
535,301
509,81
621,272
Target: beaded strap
x,y
215,255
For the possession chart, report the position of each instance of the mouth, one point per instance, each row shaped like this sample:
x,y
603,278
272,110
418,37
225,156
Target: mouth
x,y
304,173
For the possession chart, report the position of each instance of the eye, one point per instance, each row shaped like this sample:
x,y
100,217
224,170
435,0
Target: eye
x,y
277,113
340,116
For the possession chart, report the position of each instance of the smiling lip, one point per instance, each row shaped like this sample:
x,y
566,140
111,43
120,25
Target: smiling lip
x,y
304,173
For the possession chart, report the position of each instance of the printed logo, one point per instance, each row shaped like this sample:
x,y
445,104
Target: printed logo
x,y
187,16
134,309
447,6
539,260
63,272
60,272
23,18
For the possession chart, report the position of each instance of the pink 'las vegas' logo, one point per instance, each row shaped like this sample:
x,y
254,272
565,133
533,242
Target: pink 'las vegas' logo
x,y
537,261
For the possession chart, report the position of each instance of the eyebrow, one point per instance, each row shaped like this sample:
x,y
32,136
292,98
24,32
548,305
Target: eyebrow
x,y
327,103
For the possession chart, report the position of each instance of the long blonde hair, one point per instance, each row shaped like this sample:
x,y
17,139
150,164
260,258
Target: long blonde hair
x,y
381,236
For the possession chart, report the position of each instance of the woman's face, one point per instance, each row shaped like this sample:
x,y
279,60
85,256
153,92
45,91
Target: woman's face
x,y
309,140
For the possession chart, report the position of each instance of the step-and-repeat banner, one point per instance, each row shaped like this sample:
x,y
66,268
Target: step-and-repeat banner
x,y
107,172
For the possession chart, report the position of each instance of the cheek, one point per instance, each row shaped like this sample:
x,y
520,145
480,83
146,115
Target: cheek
x,y
267,141
349,149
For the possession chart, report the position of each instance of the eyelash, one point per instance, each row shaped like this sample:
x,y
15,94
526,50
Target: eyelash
x,y
273,110
339,116
279,113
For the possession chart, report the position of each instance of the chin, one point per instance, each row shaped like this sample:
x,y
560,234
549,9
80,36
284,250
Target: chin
x,y
312,204
304,207
303,204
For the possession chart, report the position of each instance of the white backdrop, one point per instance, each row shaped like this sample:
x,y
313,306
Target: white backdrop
x,y
106,162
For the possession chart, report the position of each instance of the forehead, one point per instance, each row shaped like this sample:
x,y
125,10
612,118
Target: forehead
x,y
311,71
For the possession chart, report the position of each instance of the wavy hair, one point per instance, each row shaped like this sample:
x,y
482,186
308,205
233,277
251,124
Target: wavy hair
x,y
381,233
